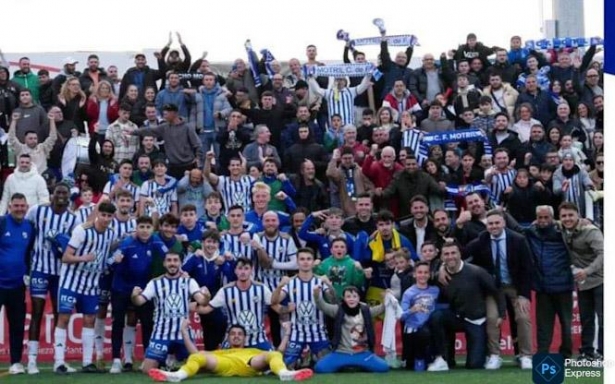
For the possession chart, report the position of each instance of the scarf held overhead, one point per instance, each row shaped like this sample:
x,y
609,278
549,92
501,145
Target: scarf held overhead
x,y
393,41
460,135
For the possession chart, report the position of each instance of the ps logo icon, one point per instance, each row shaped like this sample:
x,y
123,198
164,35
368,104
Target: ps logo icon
x,y
548,368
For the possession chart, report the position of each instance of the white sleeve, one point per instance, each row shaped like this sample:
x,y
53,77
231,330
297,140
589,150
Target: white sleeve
x,y
107,188
221,181
267,296
218,300
143,189
149,292
174,196
31,215
77,238
69,158
193,287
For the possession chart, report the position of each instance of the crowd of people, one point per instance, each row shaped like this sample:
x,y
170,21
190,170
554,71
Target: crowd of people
x,y
316,205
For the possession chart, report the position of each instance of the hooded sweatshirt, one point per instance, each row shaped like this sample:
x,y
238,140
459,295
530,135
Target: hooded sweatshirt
x,y
28,81
30,183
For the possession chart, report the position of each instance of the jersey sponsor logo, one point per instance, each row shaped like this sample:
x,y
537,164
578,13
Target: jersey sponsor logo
x,y
306,313
248,321
68,299
173,305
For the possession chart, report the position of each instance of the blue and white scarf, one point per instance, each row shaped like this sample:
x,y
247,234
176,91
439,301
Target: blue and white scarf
x,y
268,56
343,70
393,41
567,42
461,135
253,62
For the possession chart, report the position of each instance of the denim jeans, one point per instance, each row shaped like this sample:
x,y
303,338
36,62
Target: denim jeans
x,y
591,303
443,322
208,139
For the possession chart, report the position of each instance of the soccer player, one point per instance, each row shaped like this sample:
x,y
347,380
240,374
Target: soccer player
x,y
245,302
171,294
158,195
276,254
235,189
307,321
124,224
236,361
49,220
83,263
237,240
133,265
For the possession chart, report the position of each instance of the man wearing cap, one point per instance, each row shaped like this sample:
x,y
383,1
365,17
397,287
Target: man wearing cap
x,y
26,78
472,49
174,62
69,70
182,144
436,121
92,75
141,75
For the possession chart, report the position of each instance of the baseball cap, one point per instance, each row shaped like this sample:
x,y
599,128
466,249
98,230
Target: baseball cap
x,y
139,54
70,60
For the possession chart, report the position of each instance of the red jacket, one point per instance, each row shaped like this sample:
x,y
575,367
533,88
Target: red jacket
x,y
92,110
377,173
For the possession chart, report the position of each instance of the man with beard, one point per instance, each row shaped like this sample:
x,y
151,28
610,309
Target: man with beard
x,y
311,192
171,294
503,95
92,75
364,220
49,220
473,221
537,147
273,115
409,183
542,102
278,182
32,117
442,226
234,188
143,171
174,62
26,78
420,227
277,255
503,137
305,148
347,176
500,176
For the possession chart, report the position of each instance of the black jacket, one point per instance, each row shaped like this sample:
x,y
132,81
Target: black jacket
x,y
150,76
473,228
46,97
86,81
230,146
516,150
406,228
297,153
518,259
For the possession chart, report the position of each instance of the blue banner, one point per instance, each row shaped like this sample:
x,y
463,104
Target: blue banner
x,y
461,135
609,36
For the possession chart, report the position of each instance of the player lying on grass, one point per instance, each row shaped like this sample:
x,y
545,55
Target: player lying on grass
x,y
236,361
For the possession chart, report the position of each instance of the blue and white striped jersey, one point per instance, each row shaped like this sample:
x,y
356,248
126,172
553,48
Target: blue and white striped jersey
x,y
48,224
282,249
236,192
83,277
246,308
501,181
307,321
163,198
171,298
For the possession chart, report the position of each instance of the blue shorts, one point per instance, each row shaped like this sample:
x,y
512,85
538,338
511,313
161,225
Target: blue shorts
x,y
295,349
104,284
159,349
68,301
42,283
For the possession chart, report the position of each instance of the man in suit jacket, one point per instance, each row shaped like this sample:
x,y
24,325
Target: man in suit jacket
x,y
419,228
506,255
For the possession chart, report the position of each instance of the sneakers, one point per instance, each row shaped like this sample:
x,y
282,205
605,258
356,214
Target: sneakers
x,y
493,362
438,365
299,375
116,366
16,369
32,368
163,376
63,369
392,361
90,368
585,357
525,362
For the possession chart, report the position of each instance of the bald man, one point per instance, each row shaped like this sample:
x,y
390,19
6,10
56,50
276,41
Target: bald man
x,y
381,172
193,189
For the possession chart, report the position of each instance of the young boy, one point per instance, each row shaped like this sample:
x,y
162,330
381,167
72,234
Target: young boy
x,y
418,303
190,228
341,269
402,278
214,219
87,206
486,115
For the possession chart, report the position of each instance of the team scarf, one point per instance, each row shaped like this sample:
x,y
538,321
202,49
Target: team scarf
x,y
567,42
461,135
377,245
253,63
268,56
393,41
344,70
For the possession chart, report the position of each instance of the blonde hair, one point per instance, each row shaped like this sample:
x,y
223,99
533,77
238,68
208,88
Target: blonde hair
x,y
261,186
99,86
65,91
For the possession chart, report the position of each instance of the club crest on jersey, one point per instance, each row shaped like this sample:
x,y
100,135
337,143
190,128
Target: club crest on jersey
x,y
256,299
25,235
148,253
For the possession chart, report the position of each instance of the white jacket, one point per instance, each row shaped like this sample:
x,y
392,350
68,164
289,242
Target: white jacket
x,y
30,183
